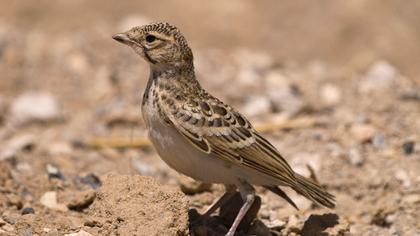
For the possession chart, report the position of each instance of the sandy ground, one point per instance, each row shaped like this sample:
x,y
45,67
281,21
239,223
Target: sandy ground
x,y
334,86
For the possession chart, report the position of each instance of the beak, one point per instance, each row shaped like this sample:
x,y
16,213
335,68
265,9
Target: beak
x,y
122,38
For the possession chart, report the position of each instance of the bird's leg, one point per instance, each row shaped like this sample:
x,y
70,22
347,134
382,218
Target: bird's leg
x,y
248,195
230,191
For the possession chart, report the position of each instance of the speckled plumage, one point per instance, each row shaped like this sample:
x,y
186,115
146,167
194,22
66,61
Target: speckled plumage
x,y
199,135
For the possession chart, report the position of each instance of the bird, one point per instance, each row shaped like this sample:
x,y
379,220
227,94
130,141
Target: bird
x,y
202,137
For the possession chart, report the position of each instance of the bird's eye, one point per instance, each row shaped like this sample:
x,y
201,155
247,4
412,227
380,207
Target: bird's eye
x,y
150,38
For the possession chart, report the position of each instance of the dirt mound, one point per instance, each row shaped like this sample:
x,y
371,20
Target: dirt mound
x,y
137,205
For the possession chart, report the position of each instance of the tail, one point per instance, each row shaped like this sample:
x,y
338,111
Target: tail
x,y
313,192
279,192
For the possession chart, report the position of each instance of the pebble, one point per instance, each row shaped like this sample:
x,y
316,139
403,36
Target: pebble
x,y
284,96
381,75
330,94
276,224
34,106
379,141
28,210
408,147
81,200
301,161
256,106
54,172
403,177
92,180
191,187
363,132
80,233
355,157
49,200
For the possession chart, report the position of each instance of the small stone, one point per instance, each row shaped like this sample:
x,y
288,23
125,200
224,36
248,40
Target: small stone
x,y
23,167
303,162
80,233
381,75
379,141
363,132
355,157
330,94
191,187
408,147
92,180
35,106
28,210
403,177
81,200
316,224
54,172
284,96
2,222
49,200
276,224
257,105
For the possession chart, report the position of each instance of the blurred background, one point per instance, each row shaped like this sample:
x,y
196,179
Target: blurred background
x,y
335,85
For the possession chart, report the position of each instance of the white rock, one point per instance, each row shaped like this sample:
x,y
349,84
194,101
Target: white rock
x,y
355,157
282,94
330,94
34,106
256,105
403,177
363,132
300,162
49,200
381,75
80,233
131,21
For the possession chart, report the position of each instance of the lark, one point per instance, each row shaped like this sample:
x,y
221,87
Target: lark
x,y
200,136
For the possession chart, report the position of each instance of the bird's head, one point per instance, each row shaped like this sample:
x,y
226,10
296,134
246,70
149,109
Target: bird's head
x,y
160,44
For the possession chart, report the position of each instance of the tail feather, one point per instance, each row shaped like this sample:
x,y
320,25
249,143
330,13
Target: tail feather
x,y
282,194
313,191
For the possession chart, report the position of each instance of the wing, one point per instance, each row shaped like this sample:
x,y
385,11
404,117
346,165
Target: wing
x,y
214,127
